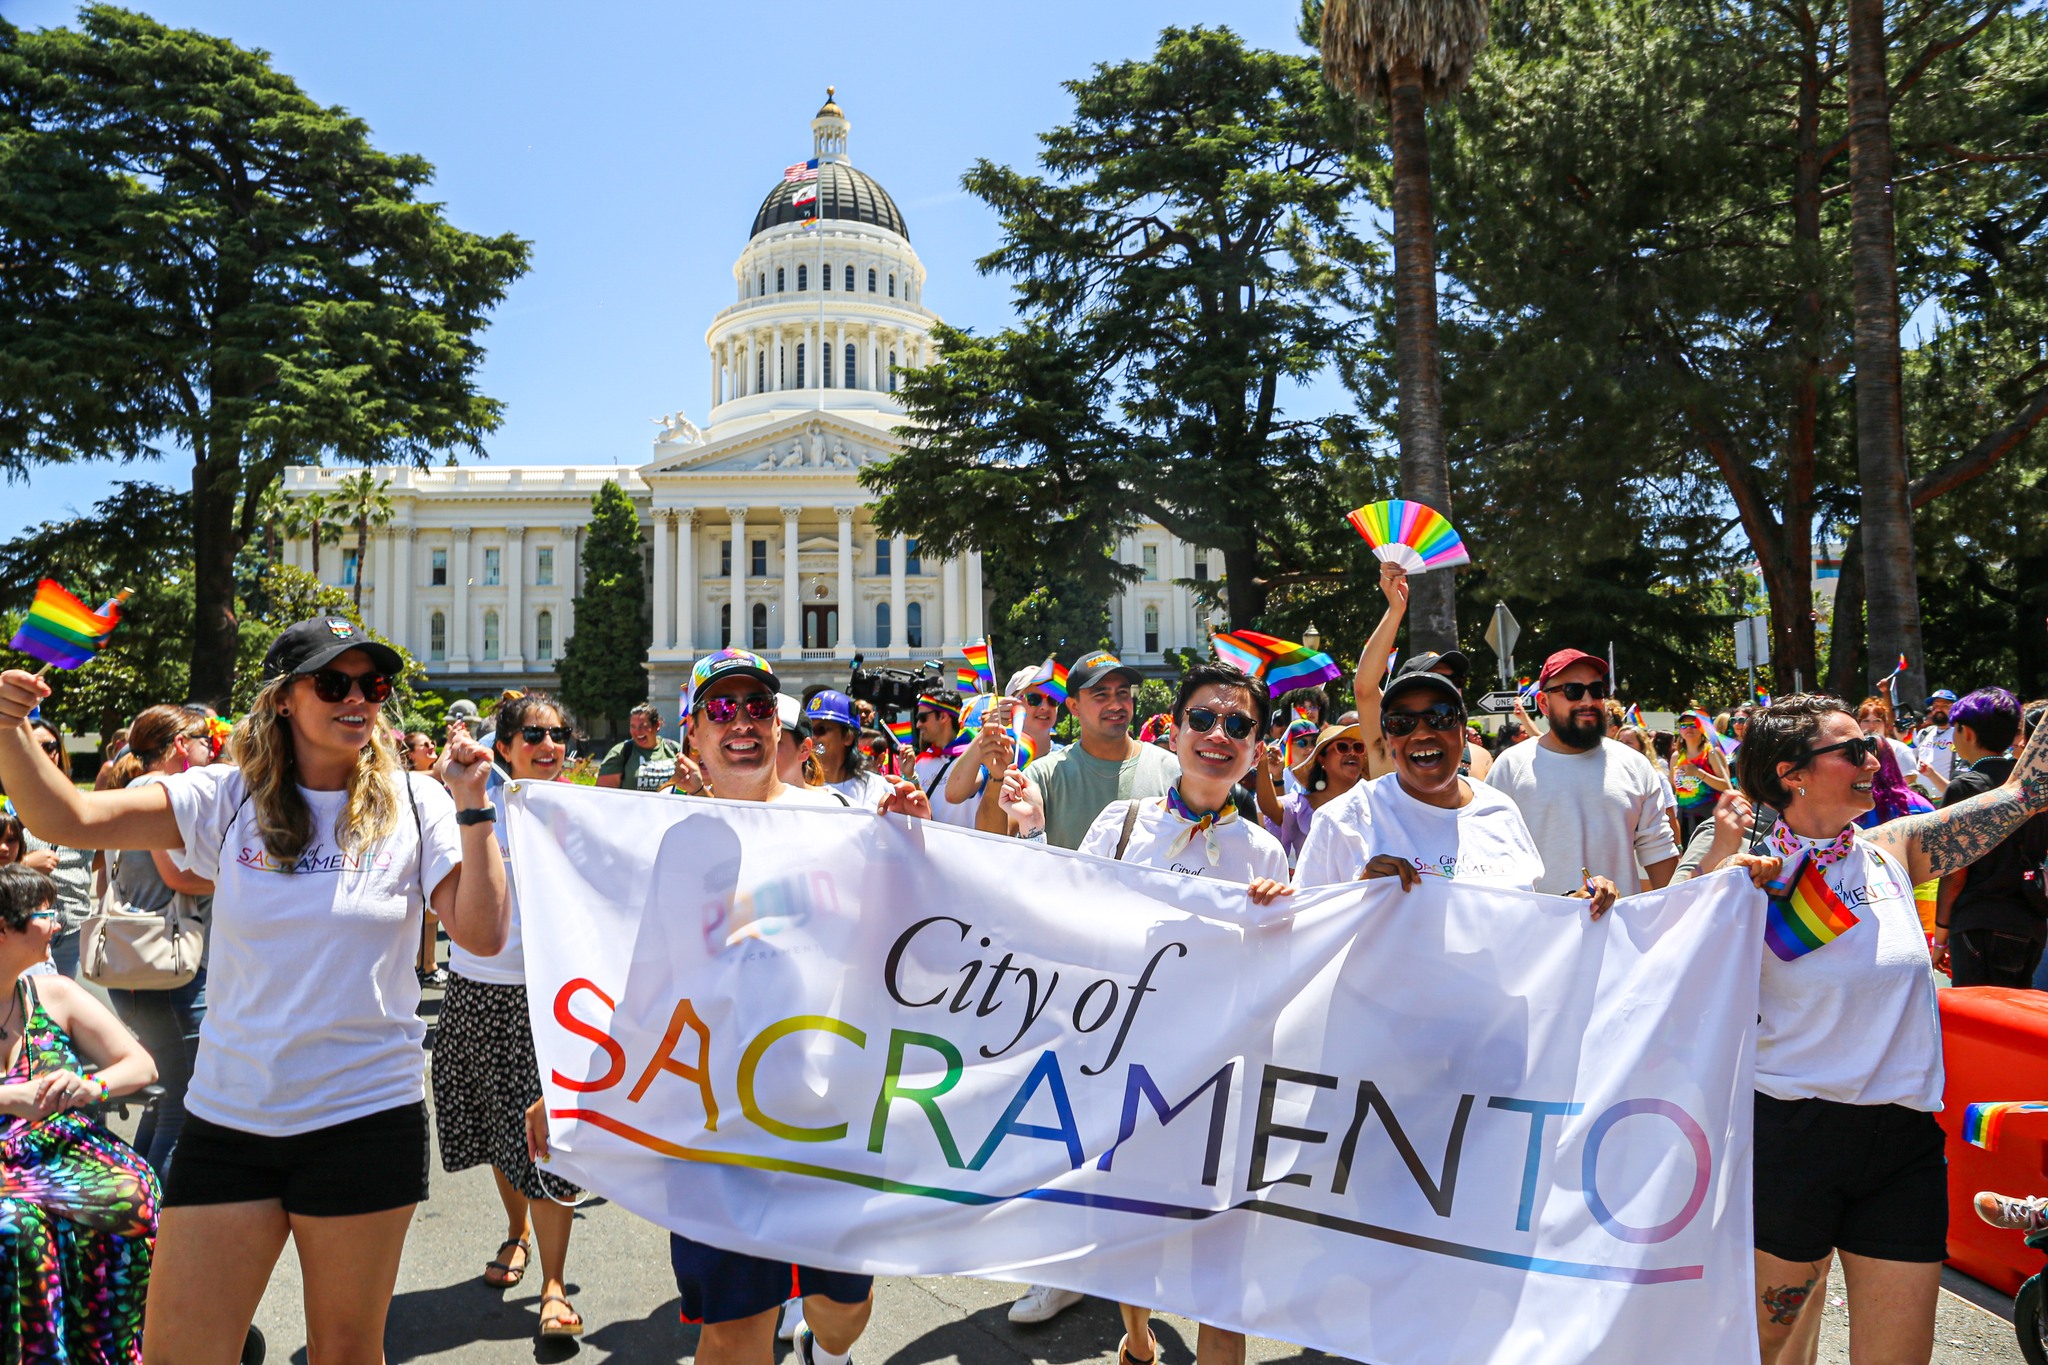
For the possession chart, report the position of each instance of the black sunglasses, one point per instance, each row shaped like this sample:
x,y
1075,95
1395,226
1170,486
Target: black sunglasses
x,y
534,734
333,685
51,746
1598,691
1442,716
1858,750
1236,724
725,710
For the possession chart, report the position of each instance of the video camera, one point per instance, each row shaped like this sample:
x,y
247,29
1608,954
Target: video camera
x,y
890,690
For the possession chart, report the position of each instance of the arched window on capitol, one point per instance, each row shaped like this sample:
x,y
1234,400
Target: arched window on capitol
x,y
881,624
852,368
871,279
800,345
892,285
544,635
725,626
803,278
892,372
849,279
491,636
913,625
825,274
437,637
760,615
780,280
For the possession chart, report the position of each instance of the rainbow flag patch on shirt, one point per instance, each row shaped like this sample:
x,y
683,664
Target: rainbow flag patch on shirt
x,y
1807,916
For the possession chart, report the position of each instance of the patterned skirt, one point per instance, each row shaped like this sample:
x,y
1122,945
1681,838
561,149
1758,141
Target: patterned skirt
x,y
485,1076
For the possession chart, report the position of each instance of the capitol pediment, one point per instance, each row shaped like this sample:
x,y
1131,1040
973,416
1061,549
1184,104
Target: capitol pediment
x,y
812,444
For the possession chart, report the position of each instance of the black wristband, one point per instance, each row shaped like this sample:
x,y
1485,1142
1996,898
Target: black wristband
x,y
481,815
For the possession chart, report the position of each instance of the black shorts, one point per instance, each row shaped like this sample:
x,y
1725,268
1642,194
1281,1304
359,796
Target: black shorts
x,y
365,1165
1868,1179
727,1286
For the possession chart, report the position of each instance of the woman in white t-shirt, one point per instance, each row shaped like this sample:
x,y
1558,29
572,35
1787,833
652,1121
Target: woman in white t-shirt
x,y
1423,819
485,1073
306,1115
1849,1157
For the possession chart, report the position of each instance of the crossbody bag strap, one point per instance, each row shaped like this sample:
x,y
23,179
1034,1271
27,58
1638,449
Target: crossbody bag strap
x,y
1130,823
940,775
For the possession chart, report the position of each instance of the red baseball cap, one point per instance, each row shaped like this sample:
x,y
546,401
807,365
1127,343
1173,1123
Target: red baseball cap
x,y
1565,658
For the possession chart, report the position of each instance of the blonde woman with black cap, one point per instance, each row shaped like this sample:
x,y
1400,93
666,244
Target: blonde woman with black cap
x,y
306,1117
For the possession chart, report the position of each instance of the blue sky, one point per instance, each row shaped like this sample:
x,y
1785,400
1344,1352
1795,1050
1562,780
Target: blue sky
x,y
631,143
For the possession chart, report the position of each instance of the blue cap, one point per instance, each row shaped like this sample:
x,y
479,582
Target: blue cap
x,y
833,706
1941,694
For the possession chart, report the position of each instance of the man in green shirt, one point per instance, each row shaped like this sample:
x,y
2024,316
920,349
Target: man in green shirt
x,y
1107,765
646,762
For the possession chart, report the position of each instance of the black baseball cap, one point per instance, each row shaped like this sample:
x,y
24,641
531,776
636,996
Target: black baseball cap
x,y
312,645
1450,661
1417,676
1093,668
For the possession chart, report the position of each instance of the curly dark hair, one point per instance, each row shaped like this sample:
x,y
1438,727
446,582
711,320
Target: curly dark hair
x,y
1782,732
23,891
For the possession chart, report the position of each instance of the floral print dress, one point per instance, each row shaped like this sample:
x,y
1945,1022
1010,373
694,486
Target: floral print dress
x,y
78,1211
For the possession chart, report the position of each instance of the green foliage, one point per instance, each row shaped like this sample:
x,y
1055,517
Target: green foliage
x,y
291,595
1185,256
1039,609
1155,697
603,672
194,255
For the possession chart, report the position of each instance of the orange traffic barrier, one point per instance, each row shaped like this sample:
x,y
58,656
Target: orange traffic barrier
x,y
1995,1047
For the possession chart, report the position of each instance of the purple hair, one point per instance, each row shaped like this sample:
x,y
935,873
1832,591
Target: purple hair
x,y
1894,798
1993,715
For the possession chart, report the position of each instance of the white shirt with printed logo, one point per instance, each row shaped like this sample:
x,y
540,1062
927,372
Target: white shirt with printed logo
x,y
312,1006
1243,850
1485,840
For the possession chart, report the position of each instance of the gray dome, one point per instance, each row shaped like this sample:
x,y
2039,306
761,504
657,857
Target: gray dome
x,y
843,193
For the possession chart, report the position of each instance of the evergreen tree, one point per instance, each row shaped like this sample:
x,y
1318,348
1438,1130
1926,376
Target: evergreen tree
x,y
604,664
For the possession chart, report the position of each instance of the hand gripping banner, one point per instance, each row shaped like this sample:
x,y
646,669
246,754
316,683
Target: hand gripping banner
x,y
1455,1124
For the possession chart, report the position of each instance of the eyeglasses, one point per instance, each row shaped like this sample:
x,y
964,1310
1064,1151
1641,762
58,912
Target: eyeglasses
x,y
46,915
1598,691
1236,724
1859,750
1442,716
1038,699
333,685
534,734
725,710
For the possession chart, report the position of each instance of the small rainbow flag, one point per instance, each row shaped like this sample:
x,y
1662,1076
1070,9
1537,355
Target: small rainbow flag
x,y
1903,665
61,630
978,661
966,680
1981,1121
905,732
1412,534
1051,679
1633,716
1301,738
1807,916
1761,697
1284,664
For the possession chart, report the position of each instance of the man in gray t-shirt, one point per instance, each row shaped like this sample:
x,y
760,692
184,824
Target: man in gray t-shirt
x,y
1107,765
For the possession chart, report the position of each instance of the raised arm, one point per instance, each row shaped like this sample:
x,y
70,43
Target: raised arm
x,y
472,901
1372,660
57,812
1939,842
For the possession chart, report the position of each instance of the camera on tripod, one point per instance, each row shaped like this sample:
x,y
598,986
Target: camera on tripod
x,y
890,690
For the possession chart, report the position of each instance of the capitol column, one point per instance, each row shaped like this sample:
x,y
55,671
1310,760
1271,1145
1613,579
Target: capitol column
x,y
458,629
792,590
975,629
899,636
950,575
742,634
514,640
400,629
846,597
686,581
662,519
838,350
566,574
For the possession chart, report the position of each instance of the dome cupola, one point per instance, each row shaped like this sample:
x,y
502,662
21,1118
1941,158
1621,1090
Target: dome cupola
x,y
838,192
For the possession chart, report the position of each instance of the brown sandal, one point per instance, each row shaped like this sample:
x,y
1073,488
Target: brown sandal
x,y
508,1274
1124,1356
570,1324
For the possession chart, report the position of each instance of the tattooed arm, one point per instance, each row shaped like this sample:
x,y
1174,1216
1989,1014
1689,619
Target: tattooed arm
x,y
1944,841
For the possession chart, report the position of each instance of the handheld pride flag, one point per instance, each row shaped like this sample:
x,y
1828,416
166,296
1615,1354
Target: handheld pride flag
x,y
1284,664
903,731
1981,1122
1807,916
978,660
1051,679
62,631
1633,716
1761,697
1415,536
966,680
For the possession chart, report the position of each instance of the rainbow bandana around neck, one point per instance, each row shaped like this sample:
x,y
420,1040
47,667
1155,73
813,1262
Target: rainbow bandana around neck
x,y
1805,913
1203,825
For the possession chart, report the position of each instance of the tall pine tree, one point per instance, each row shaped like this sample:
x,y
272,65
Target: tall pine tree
x,y
604,673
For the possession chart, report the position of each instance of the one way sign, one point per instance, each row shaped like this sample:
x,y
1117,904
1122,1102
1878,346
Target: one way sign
x,y
1498,701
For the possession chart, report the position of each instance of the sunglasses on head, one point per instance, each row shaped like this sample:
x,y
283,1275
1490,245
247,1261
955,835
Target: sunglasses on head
x,y
1235,724
1857,750
725,710
1442,716
534,734
333,685
1598,691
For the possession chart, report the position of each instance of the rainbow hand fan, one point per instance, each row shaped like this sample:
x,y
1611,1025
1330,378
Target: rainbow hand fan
x,y
1417,537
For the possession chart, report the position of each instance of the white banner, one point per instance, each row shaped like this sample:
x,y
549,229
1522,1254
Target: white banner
x,y
1456,1124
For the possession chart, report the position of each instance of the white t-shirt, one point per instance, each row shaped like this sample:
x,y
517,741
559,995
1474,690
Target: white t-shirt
x,y
507,967
1601,810
865,790
1935,747
931,774
809,796
1670,792
312,1006
1855,1021
1484,840
1243,849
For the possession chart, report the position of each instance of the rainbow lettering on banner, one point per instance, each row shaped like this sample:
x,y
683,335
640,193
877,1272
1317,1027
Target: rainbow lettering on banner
x,y
1284,664
978,661
1808,916
1051,679
1412,534
62,631
1981,1121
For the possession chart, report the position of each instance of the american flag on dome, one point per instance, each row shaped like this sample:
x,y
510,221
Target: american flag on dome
x,y
803,170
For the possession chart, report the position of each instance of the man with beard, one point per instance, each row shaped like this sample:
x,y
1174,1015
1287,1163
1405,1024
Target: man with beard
x,y
1593,804
1934,747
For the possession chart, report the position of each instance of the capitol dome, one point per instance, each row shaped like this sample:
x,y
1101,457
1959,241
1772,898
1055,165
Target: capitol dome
x,y
843,193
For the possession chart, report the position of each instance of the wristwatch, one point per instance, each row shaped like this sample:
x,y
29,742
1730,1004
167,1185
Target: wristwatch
x,y
481,815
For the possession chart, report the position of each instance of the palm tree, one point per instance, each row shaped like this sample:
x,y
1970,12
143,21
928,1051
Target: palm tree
x,y
313,516
362,500
1410,54
1890,582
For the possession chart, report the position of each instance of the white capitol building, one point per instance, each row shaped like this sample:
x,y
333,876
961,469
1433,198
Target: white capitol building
x,y
756,528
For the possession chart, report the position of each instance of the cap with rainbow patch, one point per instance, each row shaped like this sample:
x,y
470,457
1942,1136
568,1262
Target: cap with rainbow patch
x,y
729,663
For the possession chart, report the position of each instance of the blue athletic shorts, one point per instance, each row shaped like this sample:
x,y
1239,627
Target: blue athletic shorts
x,y
726,1286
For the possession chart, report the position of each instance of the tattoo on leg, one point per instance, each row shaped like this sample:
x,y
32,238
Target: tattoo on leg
x,y
1783,1302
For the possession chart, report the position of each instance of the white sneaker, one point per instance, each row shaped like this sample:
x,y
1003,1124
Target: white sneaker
x,y
792,1320
2004,1211
1042,1303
